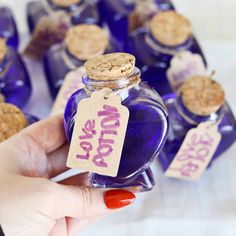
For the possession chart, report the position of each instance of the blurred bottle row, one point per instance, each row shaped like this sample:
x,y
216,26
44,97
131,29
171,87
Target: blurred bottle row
x,y
65,34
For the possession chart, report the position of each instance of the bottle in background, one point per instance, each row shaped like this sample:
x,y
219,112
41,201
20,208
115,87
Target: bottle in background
x,y
82,42
8,28
15,83
155,46
200,99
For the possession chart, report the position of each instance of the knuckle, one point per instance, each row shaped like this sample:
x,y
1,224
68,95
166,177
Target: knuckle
x,y
86,196
47,196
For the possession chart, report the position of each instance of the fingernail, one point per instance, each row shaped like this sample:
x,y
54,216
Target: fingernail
x,y
115,199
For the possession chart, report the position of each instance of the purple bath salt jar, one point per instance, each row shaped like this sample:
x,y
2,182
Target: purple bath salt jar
x,y
80,11
82,42
14,79
124,16
154,46
147,125
49,21
8,28
200,99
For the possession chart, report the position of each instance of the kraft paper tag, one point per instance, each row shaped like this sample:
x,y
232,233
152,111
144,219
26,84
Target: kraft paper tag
x,y
195,153
144,11
49,30
2,98
183,66
99,134
71,84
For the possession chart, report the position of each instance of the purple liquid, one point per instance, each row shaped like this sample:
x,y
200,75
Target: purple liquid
x,y
89,14
116,15
179,128
145,137
14,79
144,182
154,64
8,27
56,67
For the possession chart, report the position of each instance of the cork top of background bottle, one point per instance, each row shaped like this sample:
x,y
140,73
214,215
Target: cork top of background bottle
x,y
86,41
110,67
170,28
65,3
12,121
3,49
202,96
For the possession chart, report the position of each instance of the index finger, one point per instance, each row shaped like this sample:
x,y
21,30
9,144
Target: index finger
x,y
48,134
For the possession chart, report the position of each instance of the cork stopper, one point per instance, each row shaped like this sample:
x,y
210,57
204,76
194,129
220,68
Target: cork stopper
x,y
202,96
3,49
65,3
86,41
170,28
110,66
12,121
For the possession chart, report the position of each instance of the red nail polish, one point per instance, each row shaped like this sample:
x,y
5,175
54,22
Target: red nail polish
x,y
115,199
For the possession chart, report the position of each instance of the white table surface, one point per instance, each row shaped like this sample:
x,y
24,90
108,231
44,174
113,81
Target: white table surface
x,y
174,207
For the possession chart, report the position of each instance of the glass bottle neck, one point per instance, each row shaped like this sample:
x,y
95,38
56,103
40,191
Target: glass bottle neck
x,y
129,4
124,6
157,48
71,61
194,119
50,6
117,85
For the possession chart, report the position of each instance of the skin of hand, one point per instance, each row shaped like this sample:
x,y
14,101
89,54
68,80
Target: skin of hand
x,y
32,204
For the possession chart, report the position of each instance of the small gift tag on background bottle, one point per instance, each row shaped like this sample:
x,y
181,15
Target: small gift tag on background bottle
x,y
49,30
71,84
2,98
99,133
196,152
183,66
144,10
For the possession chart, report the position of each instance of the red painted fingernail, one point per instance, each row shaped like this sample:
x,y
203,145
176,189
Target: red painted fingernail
x,y
115,199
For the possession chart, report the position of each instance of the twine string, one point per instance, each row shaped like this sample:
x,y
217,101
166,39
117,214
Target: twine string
x,y
49,9
67,59
117,91
150,42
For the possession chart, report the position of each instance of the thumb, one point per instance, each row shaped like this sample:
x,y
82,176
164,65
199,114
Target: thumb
x,y
83,202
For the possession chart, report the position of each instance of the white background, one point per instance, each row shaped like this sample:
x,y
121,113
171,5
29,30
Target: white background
x,y
207,207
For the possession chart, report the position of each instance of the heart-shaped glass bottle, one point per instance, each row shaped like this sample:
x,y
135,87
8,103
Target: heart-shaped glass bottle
x,y
147,126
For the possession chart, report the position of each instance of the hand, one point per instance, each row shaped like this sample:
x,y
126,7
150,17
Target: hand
x,y
32,204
